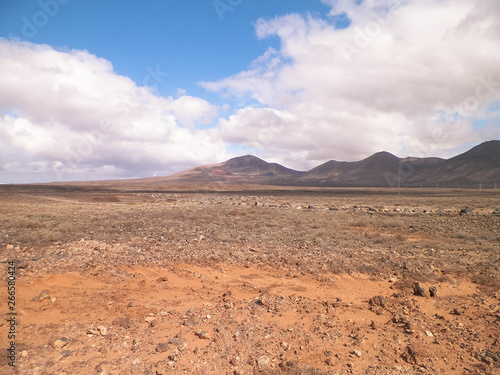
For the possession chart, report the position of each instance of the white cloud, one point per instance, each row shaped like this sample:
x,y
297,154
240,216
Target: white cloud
x,y
67,115
409,77
412,77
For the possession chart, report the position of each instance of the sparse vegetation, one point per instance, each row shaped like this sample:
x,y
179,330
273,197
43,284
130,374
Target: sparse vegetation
x,y
300,237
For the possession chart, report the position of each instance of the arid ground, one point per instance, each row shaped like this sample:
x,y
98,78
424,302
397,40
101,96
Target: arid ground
x,y
251,282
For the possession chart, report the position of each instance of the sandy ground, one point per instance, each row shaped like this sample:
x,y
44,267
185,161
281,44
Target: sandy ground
x,y
256,306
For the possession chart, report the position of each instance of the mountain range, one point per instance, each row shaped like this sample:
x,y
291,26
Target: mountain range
x,y
477,168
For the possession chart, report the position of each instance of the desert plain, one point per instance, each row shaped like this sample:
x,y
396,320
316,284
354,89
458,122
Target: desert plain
x,y
250,280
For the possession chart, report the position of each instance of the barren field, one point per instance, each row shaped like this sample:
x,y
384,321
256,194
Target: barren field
x,y
251,282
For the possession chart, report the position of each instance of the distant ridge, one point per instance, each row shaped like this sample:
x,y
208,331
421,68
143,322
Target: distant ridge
x,y
479,165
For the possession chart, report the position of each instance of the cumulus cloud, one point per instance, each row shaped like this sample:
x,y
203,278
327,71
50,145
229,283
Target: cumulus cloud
x,y
411,77
68,115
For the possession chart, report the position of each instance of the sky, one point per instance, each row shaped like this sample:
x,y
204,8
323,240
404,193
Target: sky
x,y
93,90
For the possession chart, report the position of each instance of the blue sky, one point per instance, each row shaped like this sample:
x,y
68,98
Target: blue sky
x,y
115,89
187,40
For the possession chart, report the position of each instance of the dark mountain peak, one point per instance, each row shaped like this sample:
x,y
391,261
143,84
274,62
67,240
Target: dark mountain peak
x,y
245,162
250,165
489,150
382,156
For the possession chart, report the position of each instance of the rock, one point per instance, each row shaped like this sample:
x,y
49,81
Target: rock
x,y
465,211
429,334
24,354
162,347
152,321
179,343
235,361
162,279
357,353
102,330
103,367
122,322
377,301
61,343
330,362
92,331
433,291
263,362
458,311
202,334
418,290
9,247
44,294
65,353
410,355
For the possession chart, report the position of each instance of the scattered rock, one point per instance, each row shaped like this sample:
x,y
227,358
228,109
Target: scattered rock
x,y
162,347
377,301
152,321
458,311
429,334
202,334
433,291
418,290
179,343
102,330
122,322
235,361
465,211
44,294
103,367
65,353
263,362
356,353
61,343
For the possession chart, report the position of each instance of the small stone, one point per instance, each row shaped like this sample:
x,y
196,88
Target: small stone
x,y
24,354
235,361
102,330
152,321
418,290
44,294
330,362
458,311
202,334
377,301
162,347
263,362
66,353
357,353
10,247
179,343
429,334
433,291
122,322
61,343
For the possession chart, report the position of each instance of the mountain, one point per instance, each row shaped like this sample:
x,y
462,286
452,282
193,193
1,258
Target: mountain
x,y
480,165
367,172
240,169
